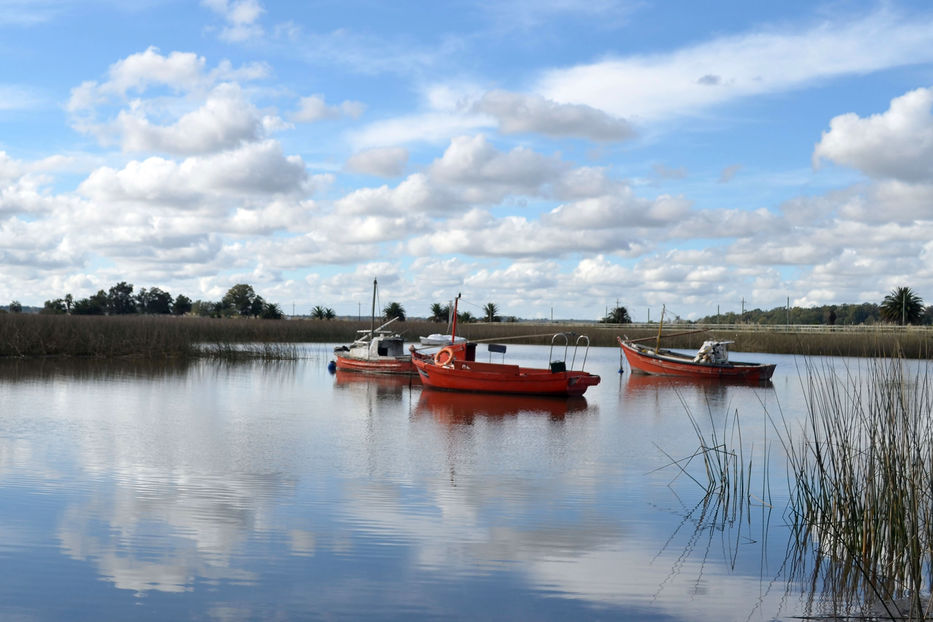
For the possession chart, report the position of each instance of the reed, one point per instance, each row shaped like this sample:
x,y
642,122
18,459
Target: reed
x,y
907,344
31,335
862,498
147,337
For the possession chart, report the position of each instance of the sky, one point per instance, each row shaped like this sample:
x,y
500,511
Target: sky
x,y
554,157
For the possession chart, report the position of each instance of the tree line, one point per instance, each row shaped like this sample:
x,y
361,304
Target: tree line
x,y
901,306
438,313
241,300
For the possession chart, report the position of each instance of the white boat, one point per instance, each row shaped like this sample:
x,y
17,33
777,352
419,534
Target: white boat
x,y
437,339
375,351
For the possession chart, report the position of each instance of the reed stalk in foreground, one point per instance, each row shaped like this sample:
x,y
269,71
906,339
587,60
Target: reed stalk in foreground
x,y
862,489
728,476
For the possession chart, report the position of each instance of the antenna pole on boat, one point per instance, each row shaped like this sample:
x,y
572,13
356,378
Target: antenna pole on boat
x,y
657,344
453,330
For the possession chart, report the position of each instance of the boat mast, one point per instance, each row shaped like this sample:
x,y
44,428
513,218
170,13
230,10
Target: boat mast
x,y
657,344
453,331
372,329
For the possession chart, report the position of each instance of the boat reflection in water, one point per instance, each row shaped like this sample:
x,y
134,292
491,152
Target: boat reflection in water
x,y
640,383
461,408
676,393
378,386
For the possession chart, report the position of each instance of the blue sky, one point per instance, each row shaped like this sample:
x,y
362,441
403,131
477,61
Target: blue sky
x,y
553,157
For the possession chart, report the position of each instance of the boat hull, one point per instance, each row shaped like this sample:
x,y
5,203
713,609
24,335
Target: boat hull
x,y
646,361
388,365
475,377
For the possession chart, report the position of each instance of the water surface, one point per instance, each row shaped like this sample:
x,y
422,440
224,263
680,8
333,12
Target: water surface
x,y
260,491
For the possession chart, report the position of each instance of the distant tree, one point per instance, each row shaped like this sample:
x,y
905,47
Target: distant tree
x,y
69,302
101,299
240,298
206,308
902,306
466,317
322,313
618,315
831,316
182,305
120,300
54,307
154,301
16,307
257,307
92,305
439,312
271,311
491,311
394,309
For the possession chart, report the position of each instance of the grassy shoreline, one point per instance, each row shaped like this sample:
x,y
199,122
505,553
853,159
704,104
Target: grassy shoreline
x,y
166,337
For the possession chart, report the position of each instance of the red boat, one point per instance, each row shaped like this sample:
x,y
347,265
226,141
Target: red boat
x,y
455,368
712,361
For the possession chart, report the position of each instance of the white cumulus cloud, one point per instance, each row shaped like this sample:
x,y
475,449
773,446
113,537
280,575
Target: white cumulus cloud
x,y
895,144
522,113
384,162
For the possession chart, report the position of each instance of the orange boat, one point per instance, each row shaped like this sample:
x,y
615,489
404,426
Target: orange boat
x,y
712,361
455,368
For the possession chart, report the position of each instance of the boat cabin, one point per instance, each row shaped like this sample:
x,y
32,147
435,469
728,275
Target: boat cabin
x,y
715,352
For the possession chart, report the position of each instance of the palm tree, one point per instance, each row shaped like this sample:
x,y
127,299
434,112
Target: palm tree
x,y
318,312
619,315
394,309
491,311
902,306
439,312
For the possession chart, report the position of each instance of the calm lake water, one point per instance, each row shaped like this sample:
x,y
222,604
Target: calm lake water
x,y
280,491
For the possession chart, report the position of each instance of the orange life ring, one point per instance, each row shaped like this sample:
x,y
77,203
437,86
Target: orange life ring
x,y
445,356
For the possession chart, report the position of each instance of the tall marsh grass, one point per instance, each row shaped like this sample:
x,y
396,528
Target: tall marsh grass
x,y
147,337
860,469
30,335
862,497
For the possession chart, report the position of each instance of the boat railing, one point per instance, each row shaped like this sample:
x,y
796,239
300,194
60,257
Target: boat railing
x,y
586,351
561,365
